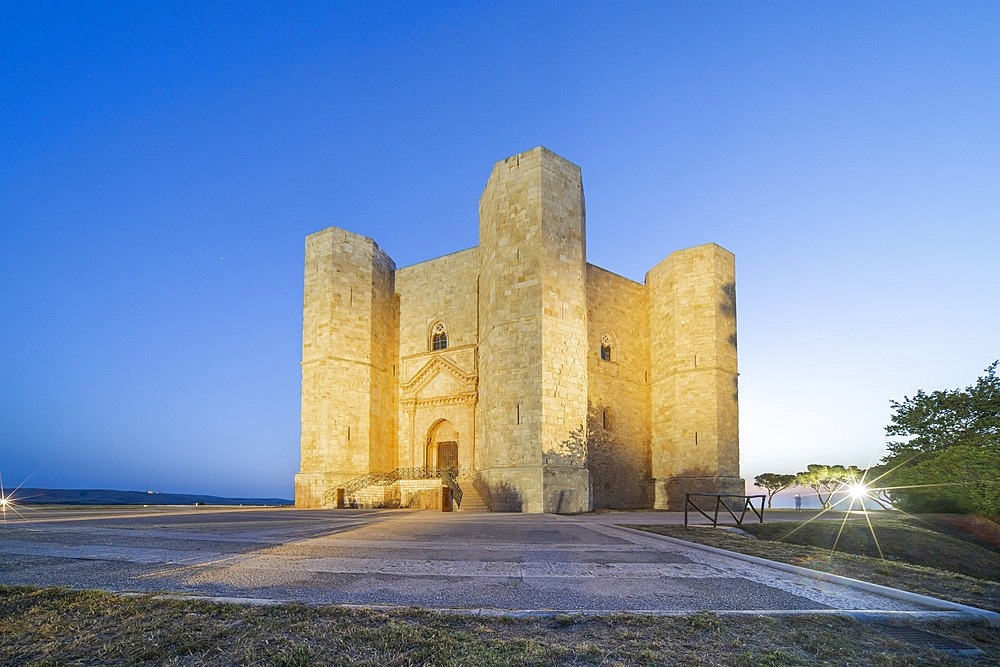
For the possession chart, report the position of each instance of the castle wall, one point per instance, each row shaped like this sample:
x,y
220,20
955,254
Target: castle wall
x,y
348,347
384,352
508,416
533,334
440,290
562,248
693,395
618,445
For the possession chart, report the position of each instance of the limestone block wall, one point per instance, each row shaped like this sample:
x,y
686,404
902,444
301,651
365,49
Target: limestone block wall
x,y
424,494
508,416
440,290
560,243
693,393
618,444
531,417
384,353
377,496
349,342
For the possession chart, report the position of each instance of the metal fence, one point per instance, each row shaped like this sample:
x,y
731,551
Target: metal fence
x,y
740,504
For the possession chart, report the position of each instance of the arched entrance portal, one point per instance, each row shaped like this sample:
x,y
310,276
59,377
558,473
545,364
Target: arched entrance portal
x,y
442,446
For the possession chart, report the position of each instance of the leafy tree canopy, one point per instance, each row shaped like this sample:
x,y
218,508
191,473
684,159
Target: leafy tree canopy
x,y
825,479
941,419
950,457
773,482
962,479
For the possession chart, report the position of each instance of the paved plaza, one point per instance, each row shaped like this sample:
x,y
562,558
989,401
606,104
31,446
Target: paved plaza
x,y
493,563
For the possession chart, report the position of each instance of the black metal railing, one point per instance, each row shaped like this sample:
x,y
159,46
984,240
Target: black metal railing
x,y
745,503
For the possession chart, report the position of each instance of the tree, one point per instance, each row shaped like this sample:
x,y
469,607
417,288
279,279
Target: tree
x,y
946,451
824,479
941,419
773,482
961,479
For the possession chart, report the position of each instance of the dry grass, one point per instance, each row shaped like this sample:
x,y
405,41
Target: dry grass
x,y
44,627
915,555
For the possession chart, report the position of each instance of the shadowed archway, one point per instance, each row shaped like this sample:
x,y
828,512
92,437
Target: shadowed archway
x,y
442,446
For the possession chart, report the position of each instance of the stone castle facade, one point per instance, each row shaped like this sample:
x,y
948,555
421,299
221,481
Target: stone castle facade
x,y
555,385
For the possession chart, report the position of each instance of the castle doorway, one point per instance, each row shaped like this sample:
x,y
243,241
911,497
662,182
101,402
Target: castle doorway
x,y
442,446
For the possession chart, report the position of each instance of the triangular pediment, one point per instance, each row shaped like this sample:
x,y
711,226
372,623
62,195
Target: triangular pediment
x,y
440,385
439,377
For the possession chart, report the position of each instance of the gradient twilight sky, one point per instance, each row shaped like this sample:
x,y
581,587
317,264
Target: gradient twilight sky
x,y
161,164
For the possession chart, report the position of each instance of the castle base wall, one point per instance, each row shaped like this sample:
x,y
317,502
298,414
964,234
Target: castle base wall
x,y
513,489
422,494
567,490
670,491
318,489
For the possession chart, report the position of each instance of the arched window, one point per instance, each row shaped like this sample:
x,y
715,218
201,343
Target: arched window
x,y
606,347
439,337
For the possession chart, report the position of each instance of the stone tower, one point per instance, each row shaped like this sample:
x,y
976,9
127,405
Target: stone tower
x,y
693,391
349,348
532,409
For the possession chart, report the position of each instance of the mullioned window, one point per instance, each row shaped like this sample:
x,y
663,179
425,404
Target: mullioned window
x,y
439,337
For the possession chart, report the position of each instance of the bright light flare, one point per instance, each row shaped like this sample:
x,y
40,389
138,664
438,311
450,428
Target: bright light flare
x,y
6,502
858,491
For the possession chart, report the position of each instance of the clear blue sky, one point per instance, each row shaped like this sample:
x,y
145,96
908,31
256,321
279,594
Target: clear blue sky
x,y
161,164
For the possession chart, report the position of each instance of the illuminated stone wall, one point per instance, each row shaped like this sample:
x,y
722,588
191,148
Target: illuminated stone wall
x,y
349,346
619,445
521,392
695,428
532,309
438,386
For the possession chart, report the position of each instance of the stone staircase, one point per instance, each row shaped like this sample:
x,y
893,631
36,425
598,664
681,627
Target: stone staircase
x,y
471,500
410,487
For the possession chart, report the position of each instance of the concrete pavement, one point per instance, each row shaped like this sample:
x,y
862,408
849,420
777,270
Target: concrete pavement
x,y
495,563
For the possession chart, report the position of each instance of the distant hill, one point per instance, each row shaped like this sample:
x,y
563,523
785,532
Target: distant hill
x,y
108,497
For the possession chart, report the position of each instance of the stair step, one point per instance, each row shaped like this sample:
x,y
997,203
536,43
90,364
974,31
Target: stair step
x,y
472,501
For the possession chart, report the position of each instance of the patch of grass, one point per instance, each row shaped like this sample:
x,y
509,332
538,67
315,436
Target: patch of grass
x,y
891,536
914,555
48,626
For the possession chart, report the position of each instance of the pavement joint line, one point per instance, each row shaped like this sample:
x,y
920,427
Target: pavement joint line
x,y
990,617
859,615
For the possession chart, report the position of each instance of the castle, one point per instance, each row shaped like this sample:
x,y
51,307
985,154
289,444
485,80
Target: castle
x,y
552,384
